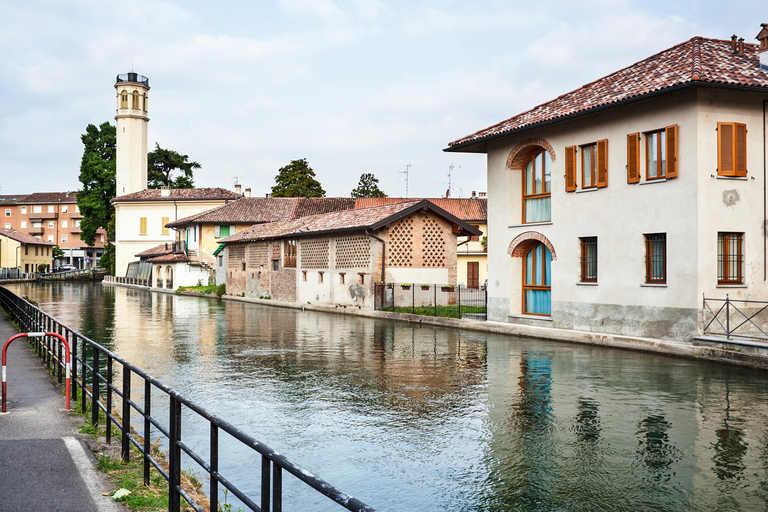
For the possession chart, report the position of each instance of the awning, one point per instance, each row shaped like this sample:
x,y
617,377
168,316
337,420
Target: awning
x,y
218,250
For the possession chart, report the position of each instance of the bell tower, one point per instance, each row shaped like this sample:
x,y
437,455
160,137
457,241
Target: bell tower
x,y
132,118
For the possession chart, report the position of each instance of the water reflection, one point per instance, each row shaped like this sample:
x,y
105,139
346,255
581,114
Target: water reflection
x,y
429,419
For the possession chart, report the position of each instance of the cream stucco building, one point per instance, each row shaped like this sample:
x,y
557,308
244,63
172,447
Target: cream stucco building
x,y
619,206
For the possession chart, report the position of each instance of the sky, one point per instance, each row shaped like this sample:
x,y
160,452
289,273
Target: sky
x,y
353,86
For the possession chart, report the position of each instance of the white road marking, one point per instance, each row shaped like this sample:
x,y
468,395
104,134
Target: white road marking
x,y
88,472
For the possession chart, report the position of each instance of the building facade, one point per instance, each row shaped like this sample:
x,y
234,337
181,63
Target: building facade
x,y
618,207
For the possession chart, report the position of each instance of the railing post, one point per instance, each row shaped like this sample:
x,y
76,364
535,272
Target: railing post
x,y
413,299
126,426
95,386
458,297
109,401
265,482
174,456
147,424
214,463
727,317
277,489
73,344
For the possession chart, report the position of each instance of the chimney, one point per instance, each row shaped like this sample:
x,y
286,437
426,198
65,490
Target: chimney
x,y
474,195
165,192
247,192
238,189
763,49
482,195
741,46
734,37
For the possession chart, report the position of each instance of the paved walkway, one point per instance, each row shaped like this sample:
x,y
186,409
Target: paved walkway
x,y
45,464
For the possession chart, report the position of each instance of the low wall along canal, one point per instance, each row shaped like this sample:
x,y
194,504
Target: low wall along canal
x,y
408,417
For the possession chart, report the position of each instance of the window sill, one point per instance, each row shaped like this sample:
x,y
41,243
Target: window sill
x,y
583,190
651,182
580,283
532,317
653,285
731,286
544,223
731,178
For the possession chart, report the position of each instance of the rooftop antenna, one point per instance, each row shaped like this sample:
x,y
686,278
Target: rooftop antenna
x,y
237,178
450,171
406,172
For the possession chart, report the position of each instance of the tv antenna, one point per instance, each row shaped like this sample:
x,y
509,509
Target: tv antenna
x,y
236,178
406,172
450,171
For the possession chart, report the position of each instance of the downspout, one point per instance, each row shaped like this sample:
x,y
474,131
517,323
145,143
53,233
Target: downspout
x,y
383,255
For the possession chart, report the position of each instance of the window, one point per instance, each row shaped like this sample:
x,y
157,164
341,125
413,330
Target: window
x,y
124,99
537,281
588,259
77,223
51,223
143,226
7,212
289,253
163,222
23,224
145,102
64,224
537,181
37,209
319,277
661,154
50,238
656,258
7,225
360,278
341,278
36,249
221,231
24,210
64,208
51,208
731,149
63,239
275,264
474,238
729,258
135,103
26,250
304,275
37,224
77,208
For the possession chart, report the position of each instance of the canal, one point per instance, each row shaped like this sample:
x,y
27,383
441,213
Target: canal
x,y
428,419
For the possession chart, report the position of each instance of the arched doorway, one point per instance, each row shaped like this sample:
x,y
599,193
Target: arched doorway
x,y
537,280
169,277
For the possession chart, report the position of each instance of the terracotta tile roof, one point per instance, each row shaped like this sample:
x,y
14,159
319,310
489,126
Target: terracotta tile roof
x,y
699,61
166,248
24,238
475,210
318,205
50,197
372,217
178,194
256,210
168,258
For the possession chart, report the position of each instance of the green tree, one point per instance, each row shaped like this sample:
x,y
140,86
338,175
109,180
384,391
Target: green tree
x,y
297,179
57,252
161,163
368,186
97,174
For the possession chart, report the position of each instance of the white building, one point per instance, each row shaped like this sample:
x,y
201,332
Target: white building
x,y
618,206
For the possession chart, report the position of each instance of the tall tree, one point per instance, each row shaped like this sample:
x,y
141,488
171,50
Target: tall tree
x,y
97,174
297,179
162,163
368,186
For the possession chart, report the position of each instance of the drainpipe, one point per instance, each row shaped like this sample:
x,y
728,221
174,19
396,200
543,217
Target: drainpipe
x,y
383,255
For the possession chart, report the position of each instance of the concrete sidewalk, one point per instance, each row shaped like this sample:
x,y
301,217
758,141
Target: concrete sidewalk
x,y
45,464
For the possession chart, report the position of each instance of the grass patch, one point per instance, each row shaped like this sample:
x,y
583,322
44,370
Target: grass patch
x,y
442,311
205,290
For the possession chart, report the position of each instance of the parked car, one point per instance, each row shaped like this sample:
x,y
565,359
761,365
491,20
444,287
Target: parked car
x,y
64,268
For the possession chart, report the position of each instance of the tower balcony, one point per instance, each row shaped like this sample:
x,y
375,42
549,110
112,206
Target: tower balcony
x,y
133,77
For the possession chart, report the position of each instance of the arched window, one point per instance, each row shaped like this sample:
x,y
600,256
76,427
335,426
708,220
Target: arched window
x,y
537,281
537,187
124,99
135,100
145,102
159,276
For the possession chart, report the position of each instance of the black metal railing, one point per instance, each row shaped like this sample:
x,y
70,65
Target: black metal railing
x,y
94,371
735,318
432,300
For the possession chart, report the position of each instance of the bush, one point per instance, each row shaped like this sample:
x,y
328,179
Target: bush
x,y
221,289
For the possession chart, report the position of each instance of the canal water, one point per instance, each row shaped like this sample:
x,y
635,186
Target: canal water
x,y
410,418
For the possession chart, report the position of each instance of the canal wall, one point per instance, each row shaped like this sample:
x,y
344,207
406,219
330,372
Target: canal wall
x,y
748,354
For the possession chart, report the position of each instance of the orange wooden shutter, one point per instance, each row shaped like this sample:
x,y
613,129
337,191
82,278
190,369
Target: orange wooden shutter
x,y
725,164
602,163
740,149
671,134
633,158
570,168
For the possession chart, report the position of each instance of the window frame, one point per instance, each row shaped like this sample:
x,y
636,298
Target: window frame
x,y
725,261
142,225
591,149
543,278
733,145
289,253
653,263
588,262
163,229
546,185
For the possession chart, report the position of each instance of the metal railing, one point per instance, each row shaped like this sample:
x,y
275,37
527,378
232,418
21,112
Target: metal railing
x,y
432,300
746,319
94,370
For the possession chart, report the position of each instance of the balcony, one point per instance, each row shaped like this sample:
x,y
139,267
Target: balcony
x,y
35,231
37,217
133,77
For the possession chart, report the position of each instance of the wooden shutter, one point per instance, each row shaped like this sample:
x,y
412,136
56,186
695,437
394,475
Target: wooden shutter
x,y
570,168
725,163
473,274
671,134
633,158
602,163
740,149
